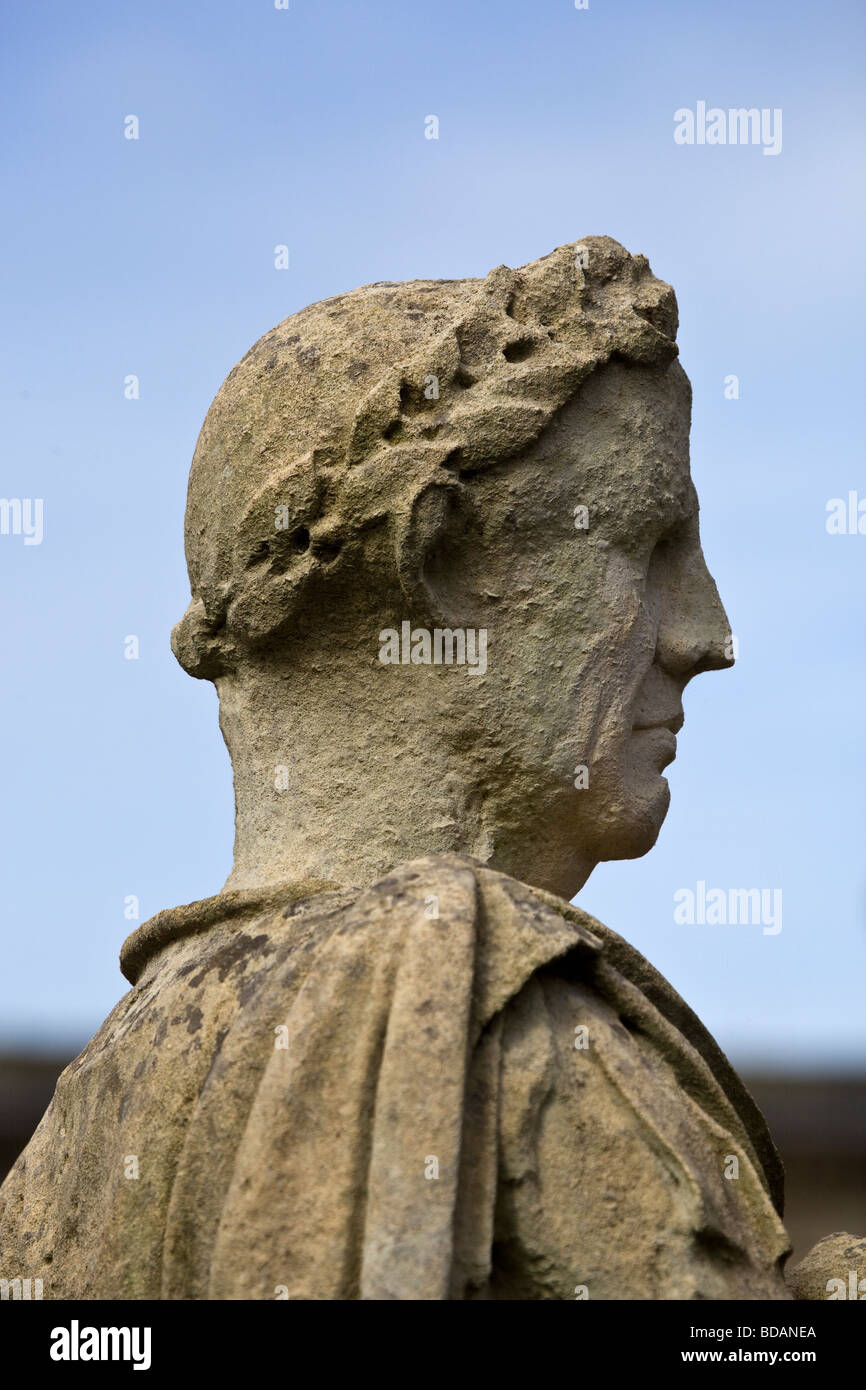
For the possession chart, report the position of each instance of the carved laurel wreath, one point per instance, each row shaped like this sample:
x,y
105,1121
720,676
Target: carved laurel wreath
x,y
479,393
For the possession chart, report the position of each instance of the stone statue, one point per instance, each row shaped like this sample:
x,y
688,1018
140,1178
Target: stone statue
x,y
446,577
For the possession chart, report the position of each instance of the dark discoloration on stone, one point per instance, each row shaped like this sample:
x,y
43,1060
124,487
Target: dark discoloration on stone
x,y
194,1018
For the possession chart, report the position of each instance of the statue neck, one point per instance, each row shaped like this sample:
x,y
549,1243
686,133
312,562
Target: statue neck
x,y
338,777
340,783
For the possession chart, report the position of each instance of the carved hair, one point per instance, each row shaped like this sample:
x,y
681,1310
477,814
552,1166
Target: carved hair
x,y
513,350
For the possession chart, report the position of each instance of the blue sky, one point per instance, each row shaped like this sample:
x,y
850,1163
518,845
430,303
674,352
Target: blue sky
x,y
155,257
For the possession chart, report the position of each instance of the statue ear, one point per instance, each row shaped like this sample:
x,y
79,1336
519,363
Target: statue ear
x,y
431,542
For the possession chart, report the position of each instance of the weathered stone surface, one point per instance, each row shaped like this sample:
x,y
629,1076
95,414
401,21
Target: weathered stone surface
x,y
558,388
414,1045
380,1064
834,1269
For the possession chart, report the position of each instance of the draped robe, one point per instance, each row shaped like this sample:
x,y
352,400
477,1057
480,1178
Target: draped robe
x,y
448,1086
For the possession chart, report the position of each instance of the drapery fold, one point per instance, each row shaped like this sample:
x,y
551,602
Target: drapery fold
x,y
310,1085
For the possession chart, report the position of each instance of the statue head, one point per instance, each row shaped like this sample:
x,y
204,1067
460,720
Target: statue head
x,y
446,573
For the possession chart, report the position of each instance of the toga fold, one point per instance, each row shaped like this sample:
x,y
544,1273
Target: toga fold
x,y
448,1086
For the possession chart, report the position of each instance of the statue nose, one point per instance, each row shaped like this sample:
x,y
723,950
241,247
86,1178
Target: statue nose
x,y
694,631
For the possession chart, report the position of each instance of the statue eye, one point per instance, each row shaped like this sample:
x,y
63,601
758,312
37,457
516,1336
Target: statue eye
x,y
300,540
281,549
672,535
661,556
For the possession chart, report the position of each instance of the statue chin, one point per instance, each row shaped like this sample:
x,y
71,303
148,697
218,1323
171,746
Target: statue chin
x,y
632,828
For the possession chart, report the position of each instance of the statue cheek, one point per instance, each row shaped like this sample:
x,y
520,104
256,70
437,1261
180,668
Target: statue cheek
x,y
625,596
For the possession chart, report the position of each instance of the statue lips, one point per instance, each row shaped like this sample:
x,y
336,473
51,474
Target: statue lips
x,y
673,723
666,730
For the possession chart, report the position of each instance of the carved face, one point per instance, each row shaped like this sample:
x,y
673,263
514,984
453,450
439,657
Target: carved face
x,y
579,557
597,620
